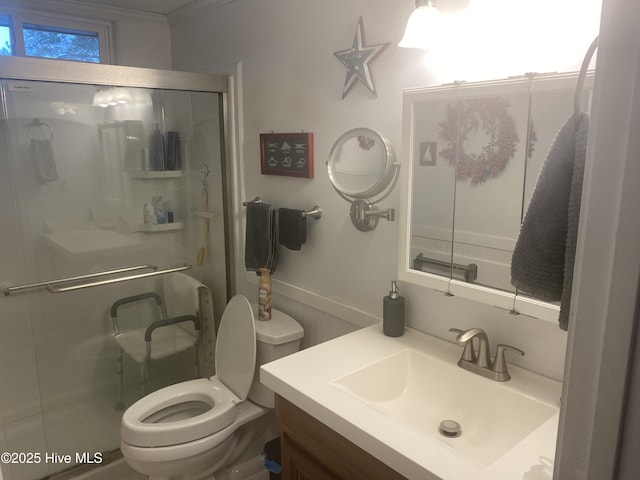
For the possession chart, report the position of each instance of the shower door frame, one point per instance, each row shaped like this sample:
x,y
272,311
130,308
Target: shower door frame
x,y
46,70
69,72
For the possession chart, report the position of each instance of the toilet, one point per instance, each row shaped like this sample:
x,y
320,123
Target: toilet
x,y
197,429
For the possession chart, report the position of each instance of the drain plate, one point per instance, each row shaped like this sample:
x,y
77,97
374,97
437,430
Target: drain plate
x,y
450,428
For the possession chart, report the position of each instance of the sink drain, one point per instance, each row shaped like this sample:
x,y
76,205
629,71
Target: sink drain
x,y
450,428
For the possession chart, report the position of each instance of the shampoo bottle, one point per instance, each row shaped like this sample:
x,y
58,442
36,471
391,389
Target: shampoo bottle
x,y
393,313
156,150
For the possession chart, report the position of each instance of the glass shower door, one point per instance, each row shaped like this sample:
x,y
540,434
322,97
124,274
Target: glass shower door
x,y
95,179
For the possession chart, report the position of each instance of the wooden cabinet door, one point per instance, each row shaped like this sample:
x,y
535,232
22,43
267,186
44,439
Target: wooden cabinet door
x,y
297,465
313,451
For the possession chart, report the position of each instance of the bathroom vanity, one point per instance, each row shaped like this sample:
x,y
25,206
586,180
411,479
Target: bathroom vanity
x,y
369,406
312,450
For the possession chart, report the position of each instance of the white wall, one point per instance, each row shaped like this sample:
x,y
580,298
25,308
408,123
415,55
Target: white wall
x,y
291,81
142,41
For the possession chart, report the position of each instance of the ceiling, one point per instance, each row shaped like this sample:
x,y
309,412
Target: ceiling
x,y
153,6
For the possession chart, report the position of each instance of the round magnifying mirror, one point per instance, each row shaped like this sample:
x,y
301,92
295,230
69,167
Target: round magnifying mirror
x,y
361,163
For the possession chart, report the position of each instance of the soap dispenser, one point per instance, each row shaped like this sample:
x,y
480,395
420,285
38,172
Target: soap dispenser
x,y
393,312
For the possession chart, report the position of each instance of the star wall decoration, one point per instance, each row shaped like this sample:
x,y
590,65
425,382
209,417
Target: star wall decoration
x,y
357,59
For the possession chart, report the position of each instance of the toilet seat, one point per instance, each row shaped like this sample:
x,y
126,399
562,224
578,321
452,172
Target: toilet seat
x,y
195,409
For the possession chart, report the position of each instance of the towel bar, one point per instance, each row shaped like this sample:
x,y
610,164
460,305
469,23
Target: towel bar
x,y
315,212
255,200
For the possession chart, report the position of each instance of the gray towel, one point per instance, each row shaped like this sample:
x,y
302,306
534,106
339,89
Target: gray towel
x,y
43,160
544,255
292,226
261,241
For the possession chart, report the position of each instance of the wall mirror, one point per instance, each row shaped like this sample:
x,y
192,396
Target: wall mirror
x,y
362,168
474,152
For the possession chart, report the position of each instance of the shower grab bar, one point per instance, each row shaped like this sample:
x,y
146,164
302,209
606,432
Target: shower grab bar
x,y
116,280
30,286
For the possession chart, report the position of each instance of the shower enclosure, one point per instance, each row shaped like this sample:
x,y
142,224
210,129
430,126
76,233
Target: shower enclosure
x,y
110,177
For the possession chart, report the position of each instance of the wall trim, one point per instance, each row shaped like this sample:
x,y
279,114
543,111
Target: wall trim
x,y
343,311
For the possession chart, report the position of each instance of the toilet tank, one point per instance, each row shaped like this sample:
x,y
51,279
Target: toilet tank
x,y
275,339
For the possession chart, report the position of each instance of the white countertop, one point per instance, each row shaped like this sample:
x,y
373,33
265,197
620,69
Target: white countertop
x,y
304,379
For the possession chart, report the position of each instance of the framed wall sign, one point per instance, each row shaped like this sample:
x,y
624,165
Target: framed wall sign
x,y
289,154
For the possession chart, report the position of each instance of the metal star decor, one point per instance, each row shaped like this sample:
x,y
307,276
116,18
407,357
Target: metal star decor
x,y
357,59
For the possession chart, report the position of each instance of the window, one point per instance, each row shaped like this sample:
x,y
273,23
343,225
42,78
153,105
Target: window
x,y
5,36
49,42
63,38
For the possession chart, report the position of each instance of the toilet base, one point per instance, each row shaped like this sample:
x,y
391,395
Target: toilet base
x,y
245,444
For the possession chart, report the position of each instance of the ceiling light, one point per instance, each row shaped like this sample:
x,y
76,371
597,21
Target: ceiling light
x,y
423,26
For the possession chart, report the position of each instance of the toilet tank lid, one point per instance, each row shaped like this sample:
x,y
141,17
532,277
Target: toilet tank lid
x,y
280,329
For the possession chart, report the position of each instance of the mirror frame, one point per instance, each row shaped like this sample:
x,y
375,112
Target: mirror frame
x,y
384,178
364,214
514,302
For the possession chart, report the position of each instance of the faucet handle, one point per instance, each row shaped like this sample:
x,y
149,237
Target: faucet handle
x,y
468,354
499,363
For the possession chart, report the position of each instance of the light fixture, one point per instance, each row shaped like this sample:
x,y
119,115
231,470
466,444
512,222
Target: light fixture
x,y
423,26
114,96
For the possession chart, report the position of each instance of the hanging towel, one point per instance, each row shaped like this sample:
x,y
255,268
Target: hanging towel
x,y
185,295
544,254
43,160
261,242
292,228
181,294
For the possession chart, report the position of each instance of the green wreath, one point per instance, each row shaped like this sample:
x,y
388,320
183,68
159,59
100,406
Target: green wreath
x,y
492,115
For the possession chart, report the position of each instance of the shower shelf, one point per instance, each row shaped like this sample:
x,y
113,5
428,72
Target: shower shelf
x,y
162,227
154,174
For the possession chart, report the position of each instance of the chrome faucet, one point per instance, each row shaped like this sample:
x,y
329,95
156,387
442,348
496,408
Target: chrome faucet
x,y
481,363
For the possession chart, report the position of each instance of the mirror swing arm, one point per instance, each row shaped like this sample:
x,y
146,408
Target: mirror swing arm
x,y
365,214
364,194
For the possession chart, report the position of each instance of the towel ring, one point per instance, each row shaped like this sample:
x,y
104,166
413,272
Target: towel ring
x,y
37,123
577,105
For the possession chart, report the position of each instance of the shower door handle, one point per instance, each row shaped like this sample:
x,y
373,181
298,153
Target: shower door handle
x,y
109,281
48,283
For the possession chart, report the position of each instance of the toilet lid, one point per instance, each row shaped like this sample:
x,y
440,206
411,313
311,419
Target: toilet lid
x,y
236,347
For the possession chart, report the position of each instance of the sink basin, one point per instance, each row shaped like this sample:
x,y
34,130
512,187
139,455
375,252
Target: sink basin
x,y
419,391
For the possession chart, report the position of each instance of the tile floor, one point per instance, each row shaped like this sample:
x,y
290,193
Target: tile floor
x,y
114,468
